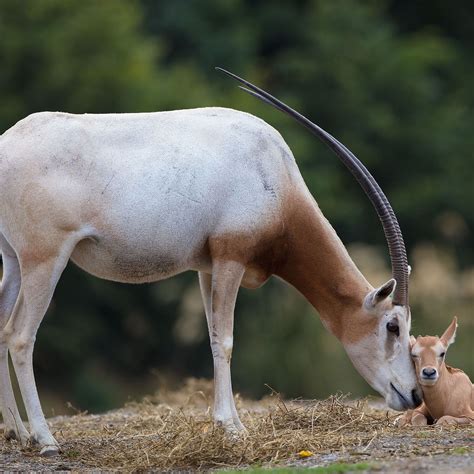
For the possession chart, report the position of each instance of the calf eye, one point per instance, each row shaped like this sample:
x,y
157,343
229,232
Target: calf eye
x,y
442,354
392,326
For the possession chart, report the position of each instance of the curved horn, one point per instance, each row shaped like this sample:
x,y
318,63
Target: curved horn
x,y
385,212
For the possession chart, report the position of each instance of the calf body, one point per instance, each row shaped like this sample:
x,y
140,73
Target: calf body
x,y
448,394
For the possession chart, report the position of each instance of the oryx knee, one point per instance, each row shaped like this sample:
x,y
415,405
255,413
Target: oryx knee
x,y
223,349
21,348
5,336
227,345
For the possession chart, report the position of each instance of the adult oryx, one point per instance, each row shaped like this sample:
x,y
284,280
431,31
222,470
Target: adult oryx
x,y
141,197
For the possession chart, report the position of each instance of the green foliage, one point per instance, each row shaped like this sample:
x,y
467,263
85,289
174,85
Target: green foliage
x,y
462,450
330,469
80,57
391,82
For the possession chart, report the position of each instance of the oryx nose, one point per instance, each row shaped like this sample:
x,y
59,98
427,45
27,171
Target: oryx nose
x,y
429,372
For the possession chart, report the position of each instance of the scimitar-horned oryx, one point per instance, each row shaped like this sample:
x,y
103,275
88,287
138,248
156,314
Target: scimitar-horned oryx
x,y
144,196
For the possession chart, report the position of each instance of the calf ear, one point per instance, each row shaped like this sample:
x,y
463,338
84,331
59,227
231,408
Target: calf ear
x,y
412,341
449,335
380,294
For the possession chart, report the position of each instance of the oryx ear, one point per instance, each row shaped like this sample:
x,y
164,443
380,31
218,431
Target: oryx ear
x,y
412,341
380,294
449,335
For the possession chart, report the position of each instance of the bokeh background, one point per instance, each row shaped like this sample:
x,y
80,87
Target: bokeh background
x,y
392,79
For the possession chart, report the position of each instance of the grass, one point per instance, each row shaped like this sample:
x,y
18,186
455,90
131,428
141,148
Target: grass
x,y
175,431
335,468
461,450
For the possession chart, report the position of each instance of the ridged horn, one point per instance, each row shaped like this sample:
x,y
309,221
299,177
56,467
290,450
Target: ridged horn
x,y
391,228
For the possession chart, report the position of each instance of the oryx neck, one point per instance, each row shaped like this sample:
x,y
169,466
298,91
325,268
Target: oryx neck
x,y
319,266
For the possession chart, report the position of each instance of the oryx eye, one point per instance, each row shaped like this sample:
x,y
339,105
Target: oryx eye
x,y
392,326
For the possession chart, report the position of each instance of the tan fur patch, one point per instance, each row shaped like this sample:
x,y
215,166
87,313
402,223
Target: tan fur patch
x,y
318,265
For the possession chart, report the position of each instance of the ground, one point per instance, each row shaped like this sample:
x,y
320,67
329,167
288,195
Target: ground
x,y
174,431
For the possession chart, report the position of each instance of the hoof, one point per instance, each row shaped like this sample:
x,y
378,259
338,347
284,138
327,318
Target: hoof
x,y
49,451
233,431
239,426
11,434
446,422
400,422
234,435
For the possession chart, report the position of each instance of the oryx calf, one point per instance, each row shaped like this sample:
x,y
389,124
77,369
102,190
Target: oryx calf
x,y
141,197
448,394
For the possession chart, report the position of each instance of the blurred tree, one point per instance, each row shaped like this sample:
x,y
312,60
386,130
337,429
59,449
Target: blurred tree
x,y
79,57
457,23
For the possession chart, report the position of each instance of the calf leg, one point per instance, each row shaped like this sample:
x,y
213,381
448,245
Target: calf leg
x,y
39,280
417,417
205,283
14,427
455,420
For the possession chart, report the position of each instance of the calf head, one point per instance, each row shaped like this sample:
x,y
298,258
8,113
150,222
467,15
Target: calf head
x,y
428,353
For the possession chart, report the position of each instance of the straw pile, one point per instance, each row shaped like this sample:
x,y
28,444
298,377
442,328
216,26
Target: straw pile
x,y
175,432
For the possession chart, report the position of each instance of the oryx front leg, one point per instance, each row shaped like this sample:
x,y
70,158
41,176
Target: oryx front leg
x,y
37,286
205,282
226,278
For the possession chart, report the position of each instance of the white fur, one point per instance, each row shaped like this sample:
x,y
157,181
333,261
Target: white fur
x,y
164,182
453,337
397,370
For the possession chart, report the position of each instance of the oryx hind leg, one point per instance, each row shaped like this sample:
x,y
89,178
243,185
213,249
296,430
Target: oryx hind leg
x,y
219,294
10,287
40,272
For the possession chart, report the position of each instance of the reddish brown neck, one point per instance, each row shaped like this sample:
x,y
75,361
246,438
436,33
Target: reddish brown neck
x,y
319,266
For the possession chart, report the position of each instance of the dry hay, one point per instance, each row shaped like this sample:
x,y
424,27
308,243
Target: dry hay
x,y
175,431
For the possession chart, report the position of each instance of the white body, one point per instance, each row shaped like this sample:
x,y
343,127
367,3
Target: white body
x,y
134,169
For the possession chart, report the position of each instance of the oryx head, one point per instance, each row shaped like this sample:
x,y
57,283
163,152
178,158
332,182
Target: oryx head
x,y
379,346
381,353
